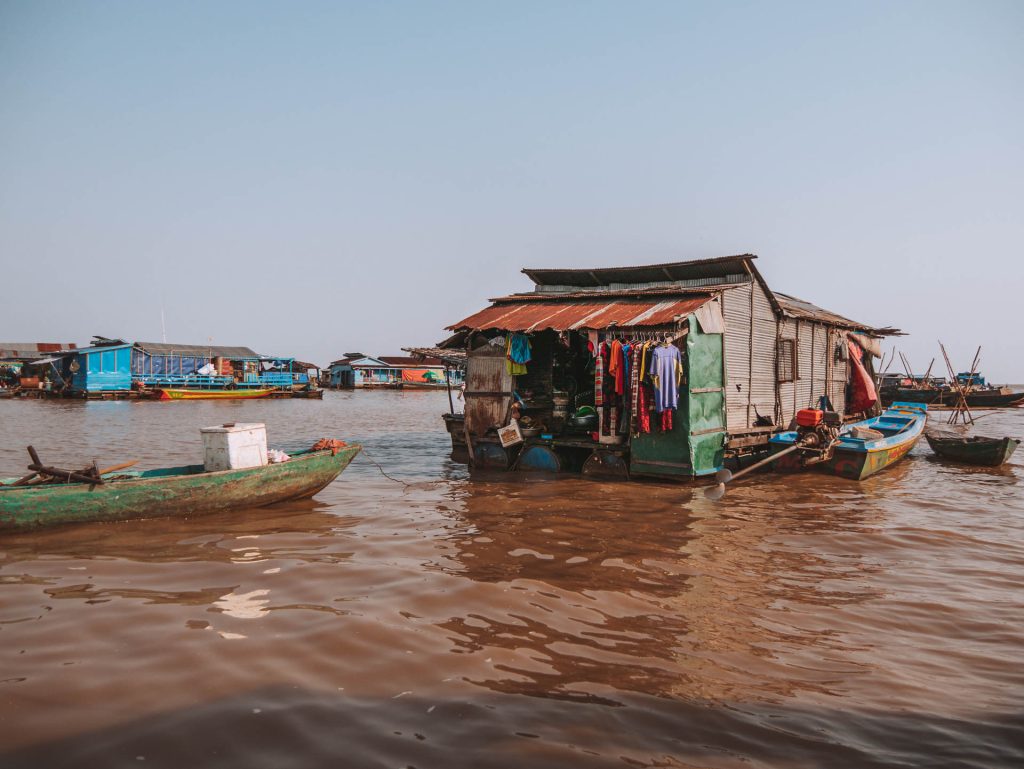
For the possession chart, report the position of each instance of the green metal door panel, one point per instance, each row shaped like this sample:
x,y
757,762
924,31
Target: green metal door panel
x,y
696,444
705,399
664,454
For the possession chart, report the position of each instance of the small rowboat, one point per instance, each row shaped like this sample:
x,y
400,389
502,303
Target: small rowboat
x,y
185,394
861,448
973,450
171,491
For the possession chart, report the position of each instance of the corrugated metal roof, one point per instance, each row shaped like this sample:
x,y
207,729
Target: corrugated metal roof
x,y
568,316
607,295
31,349
197,350
799,308
451,357
410,361
649,273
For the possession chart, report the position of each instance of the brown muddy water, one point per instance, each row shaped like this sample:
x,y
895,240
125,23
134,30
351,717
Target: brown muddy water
x,y
508,622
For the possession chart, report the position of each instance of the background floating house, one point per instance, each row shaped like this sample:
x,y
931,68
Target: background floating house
x,y
751,358
417,371
23,364
113,367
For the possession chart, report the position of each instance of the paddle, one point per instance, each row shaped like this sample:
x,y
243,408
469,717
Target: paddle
x,y
724,476
91,475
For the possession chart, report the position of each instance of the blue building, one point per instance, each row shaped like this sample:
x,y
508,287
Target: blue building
x,y
358,370
113,366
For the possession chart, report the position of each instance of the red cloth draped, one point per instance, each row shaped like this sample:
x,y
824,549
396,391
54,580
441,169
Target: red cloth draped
x,y
863,395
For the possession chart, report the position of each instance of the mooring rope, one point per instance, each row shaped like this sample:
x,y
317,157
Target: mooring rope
x,y
381,469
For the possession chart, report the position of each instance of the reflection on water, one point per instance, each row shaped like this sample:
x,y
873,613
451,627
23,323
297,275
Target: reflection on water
x,y
504,620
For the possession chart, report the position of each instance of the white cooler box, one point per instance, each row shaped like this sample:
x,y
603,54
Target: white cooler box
x,y
234,446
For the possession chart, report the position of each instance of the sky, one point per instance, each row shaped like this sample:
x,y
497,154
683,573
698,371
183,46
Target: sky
x,y
311,179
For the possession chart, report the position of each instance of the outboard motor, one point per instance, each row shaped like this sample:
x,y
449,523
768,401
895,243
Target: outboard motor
x,y
817,433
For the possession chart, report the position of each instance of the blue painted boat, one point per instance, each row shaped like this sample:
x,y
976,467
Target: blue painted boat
x,y
861,448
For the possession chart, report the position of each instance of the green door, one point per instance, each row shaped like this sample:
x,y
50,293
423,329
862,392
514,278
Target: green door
x,y
696,444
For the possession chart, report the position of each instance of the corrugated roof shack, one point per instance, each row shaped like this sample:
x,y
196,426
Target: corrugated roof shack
x,y
26,365
751,358
114,368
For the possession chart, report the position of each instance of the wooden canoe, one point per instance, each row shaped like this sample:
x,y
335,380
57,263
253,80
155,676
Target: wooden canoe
x,y
857,458
973,450
171,491
185,394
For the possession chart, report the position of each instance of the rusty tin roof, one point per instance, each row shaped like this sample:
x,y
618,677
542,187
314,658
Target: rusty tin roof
x,y
580,315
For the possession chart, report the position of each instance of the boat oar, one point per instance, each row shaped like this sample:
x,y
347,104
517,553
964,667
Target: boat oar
x,y
113,469
725,476
122,466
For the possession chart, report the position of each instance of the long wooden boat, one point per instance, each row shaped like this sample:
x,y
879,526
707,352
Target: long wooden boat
x,y
862,448
973,450
170,491
998,397
185,394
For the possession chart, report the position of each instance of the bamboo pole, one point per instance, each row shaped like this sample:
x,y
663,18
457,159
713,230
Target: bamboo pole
x,y
962,396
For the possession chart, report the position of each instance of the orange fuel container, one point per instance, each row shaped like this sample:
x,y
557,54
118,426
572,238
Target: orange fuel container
x,y
809,417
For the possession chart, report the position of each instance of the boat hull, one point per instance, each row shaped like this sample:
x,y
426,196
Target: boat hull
x,y
975,399
173,394
856,459
179,491
986,452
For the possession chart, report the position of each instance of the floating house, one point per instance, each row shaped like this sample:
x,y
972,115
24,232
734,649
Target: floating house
x,y
728,358
113,367
24,364
357,370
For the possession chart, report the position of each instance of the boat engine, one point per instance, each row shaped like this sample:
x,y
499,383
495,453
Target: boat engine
x,y
817,433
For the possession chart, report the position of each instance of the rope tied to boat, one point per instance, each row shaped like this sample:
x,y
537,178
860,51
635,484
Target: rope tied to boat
x,y
391,477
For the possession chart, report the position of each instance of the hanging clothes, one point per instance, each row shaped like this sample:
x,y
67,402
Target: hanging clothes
x,y
636,350
517,354
643,413
667,370
616,366
598,378
666,420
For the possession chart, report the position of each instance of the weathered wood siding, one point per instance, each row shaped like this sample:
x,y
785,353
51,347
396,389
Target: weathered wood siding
x,y
736,309
765,330
819,372
839,370
750,355
487,381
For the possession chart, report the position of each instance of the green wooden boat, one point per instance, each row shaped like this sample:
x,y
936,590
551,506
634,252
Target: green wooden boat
x,y
170,491
973,450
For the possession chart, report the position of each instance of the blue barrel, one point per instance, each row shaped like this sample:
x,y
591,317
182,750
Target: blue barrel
x,y
606,465
540,459
490,456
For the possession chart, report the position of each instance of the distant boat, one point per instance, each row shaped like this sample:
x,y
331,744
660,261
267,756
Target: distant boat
x,y
997,397
424,385
170,491
936,391
972,450
861,448
185,394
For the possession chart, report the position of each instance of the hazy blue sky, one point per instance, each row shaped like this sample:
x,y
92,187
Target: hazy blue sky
x,y
315,178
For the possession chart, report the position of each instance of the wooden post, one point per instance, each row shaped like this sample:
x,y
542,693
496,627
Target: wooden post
x,y
448,383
